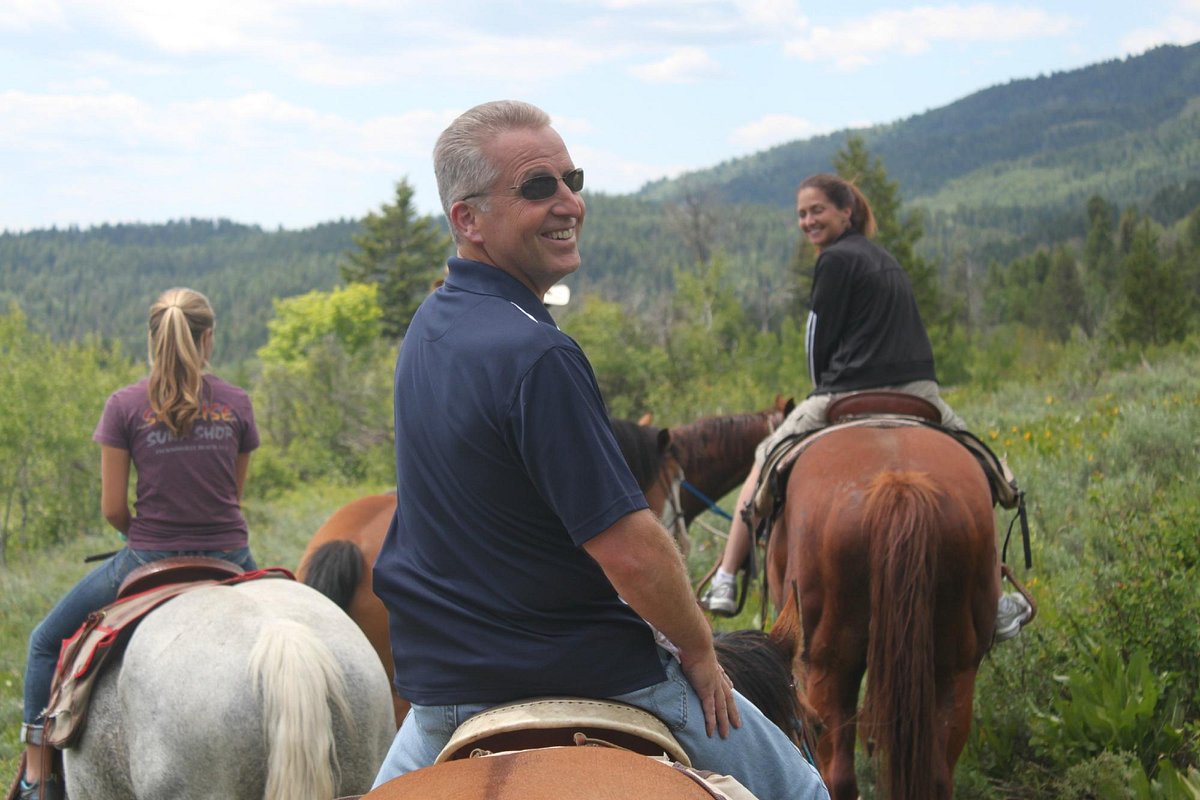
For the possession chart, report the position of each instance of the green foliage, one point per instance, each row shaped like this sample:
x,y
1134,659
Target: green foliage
x,y
349,315
328,417
402,254
52,395
1156,308
1110,466
626,363
73,283
324,400
1110,705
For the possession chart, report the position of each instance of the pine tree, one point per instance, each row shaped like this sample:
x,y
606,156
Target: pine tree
x,y
1156,305
897,236
1063,303
1099,253
401,253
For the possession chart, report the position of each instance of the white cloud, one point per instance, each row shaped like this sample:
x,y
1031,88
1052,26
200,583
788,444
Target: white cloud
x,y
684,65
20,15
1182,26
773,129
613,174
861,41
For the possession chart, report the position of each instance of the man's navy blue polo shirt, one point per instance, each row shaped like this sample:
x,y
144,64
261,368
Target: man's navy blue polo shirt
x,y
505,464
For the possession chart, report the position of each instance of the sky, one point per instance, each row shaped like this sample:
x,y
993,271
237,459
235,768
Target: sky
x,y
290,113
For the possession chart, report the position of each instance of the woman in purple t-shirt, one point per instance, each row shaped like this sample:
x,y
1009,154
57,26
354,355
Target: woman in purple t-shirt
x,y
189,435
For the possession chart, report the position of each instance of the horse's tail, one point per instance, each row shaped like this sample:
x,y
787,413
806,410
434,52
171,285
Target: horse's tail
x,y
302,687
899,711
334,569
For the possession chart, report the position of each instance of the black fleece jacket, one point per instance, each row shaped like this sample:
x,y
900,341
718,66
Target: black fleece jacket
x,y
864,329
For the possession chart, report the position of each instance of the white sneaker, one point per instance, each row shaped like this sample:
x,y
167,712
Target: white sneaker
x,y
721,599
1011,613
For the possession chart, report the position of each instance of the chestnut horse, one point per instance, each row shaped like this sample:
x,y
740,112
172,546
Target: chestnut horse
x,y
338,559
887,540
556,773
716,453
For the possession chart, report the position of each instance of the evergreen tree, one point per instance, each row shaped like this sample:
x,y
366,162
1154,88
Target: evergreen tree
x,y
1100,253
897,236
1156,306
1063,303
401,253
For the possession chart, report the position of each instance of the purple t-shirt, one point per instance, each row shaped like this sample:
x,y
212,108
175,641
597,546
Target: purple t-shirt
x,y
186,488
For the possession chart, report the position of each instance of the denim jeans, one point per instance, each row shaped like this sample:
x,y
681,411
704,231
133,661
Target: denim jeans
x,y
758,754
97,589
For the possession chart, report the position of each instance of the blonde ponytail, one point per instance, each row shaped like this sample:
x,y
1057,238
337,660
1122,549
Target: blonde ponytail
x,y
179,319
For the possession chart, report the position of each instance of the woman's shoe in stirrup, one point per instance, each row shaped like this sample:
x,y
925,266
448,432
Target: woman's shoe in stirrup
x,y
721,599
1011,613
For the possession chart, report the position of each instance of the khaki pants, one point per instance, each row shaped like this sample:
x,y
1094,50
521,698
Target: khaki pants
x,y
811,414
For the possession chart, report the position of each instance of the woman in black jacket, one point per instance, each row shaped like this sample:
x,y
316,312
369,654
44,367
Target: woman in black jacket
x,y
864,331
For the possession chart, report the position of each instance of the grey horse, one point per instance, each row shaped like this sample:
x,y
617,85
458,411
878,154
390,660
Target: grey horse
x,y
262,690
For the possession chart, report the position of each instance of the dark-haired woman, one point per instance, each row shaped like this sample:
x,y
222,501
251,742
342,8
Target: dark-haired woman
x,y
189,435
864,331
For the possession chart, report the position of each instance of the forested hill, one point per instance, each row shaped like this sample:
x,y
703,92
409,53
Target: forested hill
x,y
997,174
1011,155
71,283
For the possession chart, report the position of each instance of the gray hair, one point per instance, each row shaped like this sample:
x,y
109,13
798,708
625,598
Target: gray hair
x,y
459,163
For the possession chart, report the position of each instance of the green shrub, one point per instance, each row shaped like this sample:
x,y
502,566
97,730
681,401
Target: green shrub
x,y
1111,705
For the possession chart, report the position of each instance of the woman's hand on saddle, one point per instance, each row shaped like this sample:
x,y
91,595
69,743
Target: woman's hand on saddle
x,y
715,690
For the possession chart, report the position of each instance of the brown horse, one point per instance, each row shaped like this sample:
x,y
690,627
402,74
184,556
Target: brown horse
x,y
887,544
716,453
338,559
558,773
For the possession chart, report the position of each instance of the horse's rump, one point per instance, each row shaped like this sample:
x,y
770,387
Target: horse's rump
x,y
888,536
557,773
184,715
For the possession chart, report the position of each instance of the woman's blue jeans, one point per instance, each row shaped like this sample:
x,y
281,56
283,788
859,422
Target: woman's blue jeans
x,y
97,589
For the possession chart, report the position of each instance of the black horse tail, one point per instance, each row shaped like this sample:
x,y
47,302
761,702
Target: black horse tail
x,y
334,569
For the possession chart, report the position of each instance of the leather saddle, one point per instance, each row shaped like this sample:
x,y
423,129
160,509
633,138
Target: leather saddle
x,y
558,721
107,630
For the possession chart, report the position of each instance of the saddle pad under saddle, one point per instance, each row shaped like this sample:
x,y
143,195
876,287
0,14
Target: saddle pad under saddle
x,y
103,634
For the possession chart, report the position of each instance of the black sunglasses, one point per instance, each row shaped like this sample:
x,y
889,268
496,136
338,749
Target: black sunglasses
x,y
544,186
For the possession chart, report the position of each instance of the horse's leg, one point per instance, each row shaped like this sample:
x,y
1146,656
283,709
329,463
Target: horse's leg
x,y
835,660
97,766
833,692
955,726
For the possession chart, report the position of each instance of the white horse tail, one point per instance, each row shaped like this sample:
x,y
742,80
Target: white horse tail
x,y
301,685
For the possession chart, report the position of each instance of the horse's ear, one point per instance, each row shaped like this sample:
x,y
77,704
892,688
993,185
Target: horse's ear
x,y
664,440
646,419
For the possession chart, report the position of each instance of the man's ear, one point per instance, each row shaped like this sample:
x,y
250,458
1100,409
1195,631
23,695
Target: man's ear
x,y
464,218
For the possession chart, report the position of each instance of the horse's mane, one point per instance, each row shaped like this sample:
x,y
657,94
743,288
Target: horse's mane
x,y
697,441
639,445
760,670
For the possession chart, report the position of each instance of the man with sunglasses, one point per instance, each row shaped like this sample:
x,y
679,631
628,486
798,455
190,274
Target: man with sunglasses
x,y
522,560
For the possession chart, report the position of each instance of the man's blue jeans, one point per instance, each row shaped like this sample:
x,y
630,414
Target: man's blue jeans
x,y
757,754
97,589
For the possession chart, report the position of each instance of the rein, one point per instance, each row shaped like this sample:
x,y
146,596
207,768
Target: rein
x,y
708,501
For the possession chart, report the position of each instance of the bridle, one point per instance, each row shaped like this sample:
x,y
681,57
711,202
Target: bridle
x,y
672,517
